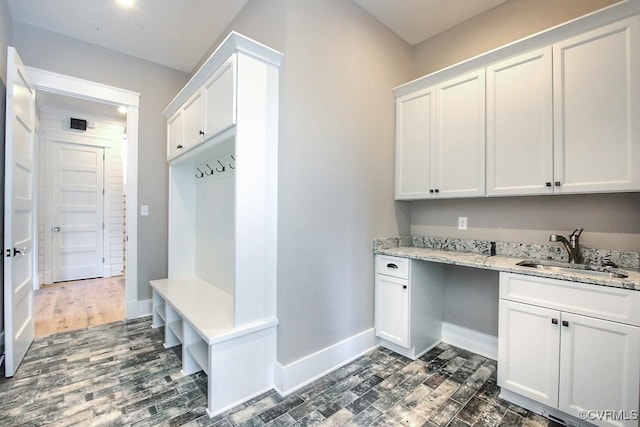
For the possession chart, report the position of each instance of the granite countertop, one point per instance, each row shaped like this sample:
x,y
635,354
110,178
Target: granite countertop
x,y
476,254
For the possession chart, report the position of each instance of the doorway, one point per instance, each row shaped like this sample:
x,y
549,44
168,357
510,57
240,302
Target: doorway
x,y
71,87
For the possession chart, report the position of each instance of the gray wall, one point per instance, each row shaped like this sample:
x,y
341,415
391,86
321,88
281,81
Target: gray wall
x,y
335,162
158,85
5,38
505,23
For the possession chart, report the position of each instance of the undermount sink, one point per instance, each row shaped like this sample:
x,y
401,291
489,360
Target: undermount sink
x,y
573,268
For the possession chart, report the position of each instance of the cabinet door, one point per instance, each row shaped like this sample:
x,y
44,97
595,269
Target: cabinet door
x,y
415,132
520,125
528,346
459,156
599,368
192,112
596,110
220,99
392,309
175,129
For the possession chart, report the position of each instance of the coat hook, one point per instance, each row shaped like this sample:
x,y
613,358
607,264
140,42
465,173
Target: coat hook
x,y
209,173
234,159
201,173
220,163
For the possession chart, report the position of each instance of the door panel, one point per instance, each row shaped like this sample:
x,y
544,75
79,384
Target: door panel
x,y
529,361
77,211
600,367
18,213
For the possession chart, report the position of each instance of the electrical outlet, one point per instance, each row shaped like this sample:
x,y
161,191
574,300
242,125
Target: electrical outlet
x,y
462,223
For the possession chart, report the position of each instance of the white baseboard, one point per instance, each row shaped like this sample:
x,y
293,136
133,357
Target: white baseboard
x,y
137,309
483,344
296,375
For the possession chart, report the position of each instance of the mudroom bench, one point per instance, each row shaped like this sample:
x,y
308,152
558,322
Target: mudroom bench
x,y
199,316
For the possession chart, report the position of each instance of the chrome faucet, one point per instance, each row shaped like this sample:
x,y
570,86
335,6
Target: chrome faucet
x,y
572,245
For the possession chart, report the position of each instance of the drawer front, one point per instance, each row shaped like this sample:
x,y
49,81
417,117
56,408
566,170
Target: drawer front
x,y
392,266
602,302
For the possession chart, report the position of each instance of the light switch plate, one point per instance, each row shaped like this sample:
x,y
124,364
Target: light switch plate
x,y
144,210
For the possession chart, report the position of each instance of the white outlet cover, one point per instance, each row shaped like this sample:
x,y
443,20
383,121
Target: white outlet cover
x,y
462,223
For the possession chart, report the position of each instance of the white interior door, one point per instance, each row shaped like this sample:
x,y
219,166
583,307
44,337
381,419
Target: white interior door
x,y
77,211
18,213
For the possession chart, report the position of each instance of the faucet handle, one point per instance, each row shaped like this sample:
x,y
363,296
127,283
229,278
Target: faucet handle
x,y
577,232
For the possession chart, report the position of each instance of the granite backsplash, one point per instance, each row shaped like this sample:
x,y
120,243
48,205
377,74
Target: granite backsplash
x,y
518,250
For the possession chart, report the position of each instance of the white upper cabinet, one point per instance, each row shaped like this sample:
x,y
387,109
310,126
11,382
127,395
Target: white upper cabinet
x,y
458,159
415,133
440,140
207,112
219,94
520,125
563,118
597,110
175,133
192,112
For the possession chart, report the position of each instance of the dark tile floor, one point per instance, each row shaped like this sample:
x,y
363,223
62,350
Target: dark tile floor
x,y
120,374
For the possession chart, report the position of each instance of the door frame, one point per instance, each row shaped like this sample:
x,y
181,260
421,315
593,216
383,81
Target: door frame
x,y
48,81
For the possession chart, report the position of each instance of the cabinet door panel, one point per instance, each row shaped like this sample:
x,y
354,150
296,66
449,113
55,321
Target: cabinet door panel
x,y
528,348
392,309
519,125
600,368
192,112
175,129
414,137
220,99
597,103
459,157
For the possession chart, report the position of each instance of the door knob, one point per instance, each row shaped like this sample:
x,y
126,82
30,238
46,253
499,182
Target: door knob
x,y
55,229
20,251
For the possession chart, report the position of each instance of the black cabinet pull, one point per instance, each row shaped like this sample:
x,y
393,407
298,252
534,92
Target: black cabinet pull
x,y
201,132
437,190
404,286
565,323
557,183
431,190
179,147
554,321
390,265
548,184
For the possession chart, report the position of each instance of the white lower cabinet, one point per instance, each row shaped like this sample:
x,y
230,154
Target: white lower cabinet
x,y
392,309
554,354
408,304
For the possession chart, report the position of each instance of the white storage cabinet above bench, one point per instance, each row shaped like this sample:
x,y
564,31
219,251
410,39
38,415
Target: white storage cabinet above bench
x,y
219,299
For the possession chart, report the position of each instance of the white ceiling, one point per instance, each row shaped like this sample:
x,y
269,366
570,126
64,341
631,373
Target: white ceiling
x,y
174,33
81,106
177,33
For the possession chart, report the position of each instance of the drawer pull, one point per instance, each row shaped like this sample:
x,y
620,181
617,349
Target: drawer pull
x,y
391,265
554,321
404,286
565,323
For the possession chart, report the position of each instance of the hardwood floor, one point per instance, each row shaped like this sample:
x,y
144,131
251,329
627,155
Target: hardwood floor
x,y
68,306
